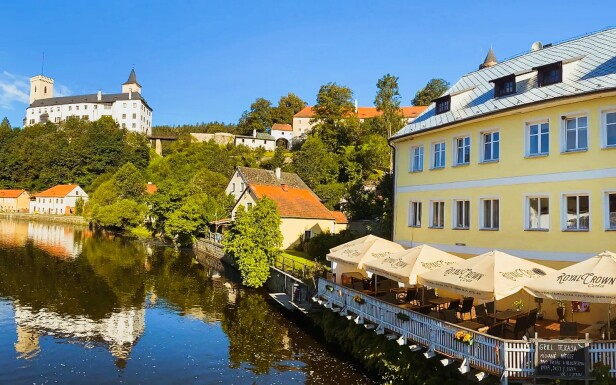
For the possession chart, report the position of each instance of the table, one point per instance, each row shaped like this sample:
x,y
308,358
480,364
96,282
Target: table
x,y
507,315
471,325
595,329
438,301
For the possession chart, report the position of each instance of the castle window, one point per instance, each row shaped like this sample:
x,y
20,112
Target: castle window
x,y
549,74
85,107
77,108
504,86
123,116
443,104
134,116
45,90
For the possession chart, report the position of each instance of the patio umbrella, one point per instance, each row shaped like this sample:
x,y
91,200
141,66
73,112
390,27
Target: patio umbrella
x,y
490,276
404,266
592,280
356,254
365,239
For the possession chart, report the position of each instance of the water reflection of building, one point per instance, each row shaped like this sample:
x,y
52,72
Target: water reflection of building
x,y
60,241
14,233
119,331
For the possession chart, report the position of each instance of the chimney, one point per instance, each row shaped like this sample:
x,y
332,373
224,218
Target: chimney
x,y
277,172
355,105
99,95
285,187
149,182
254,133
130,93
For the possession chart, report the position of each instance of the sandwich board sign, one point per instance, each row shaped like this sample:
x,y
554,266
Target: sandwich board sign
x,y
566,359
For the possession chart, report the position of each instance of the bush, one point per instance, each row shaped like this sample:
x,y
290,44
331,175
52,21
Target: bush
x,y
319,245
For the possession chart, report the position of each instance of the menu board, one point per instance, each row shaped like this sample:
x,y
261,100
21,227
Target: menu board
x,y
562,359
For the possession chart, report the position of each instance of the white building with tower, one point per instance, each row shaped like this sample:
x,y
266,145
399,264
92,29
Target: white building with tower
x,y
128,108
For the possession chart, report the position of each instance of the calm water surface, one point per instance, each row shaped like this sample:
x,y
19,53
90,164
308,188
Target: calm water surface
x,y
77,307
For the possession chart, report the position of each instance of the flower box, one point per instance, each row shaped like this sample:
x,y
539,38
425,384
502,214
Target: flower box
x,y
359,300
403,317
329,287
464,337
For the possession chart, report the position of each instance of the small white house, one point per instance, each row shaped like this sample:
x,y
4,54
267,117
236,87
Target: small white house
x,y
58,200
258,139
282,133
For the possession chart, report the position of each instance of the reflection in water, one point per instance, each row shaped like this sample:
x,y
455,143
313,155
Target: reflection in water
x,y
135,305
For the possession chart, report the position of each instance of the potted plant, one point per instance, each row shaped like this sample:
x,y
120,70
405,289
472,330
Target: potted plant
x,y
464,337
359,300
560,310
519,304
329,287
403,316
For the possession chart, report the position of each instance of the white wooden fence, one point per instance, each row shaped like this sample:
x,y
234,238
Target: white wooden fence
x,y
507,359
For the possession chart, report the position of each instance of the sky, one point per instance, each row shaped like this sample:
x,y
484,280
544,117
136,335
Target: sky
x,y
201,61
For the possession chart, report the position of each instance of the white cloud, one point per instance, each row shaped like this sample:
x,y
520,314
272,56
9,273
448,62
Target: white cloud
x,y
15,89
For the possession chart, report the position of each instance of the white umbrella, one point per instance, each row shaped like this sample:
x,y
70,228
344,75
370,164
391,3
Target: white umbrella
x,y
490,276
592,280
404,266
364,239
356,254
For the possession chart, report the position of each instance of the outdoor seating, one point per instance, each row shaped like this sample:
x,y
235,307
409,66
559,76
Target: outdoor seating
x,y
454,305
411,294
532,320
569,329
519,328
424,309
481,314
449,316
491,308
427,295
466,307
497,330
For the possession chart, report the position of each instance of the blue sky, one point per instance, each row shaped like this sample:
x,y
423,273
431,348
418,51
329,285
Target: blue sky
x,y
208,60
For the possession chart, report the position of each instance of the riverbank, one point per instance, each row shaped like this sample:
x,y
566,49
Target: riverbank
x,y
61,219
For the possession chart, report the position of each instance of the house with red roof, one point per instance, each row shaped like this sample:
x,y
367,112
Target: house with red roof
x,y
301,211
302,121
14,201
58,200
282,133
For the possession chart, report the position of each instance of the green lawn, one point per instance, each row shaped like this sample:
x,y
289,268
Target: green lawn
x,y
298,256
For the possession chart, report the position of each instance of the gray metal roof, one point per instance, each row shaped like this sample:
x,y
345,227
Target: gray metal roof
x,y
90,98
589,65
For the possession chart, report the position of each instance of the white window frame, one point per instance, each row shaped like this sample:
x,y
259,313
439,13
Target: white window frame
x,y
482,142
563,131
482,202
441,204
415,208
606,209
563,210
527,135
443,153
421,149
527,199
456,148
604,112
465,218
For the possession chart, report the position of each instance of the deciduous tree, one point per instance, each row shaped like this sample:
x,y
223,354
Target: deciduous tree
x,y
288,106
432,90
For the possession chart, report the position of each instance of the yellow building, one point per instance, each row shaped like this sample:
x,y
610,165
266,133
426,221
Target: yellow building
x,y
518,156
301,212
14,201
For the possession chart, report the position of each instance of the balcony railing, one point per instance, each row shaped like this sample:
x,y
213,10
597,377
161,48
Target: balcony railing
x,y
506,359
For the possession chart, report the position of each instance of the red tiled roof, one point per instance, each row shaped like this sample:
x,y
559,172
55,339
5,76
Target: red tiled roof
x,y
368,112
339,217
294,202
11,193
151,188
59,191
282,127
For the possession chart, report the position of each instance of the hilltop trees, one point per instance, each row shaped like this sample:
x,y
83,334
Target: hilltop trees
x,y
432,90
387,101
288,106
263,114
254,240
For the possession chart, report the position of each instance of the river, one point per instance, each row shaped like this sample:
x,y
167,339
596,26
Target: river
x,y
78,307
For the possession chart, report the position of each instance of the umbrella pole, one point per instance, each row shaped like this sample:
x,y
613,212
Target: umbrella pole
x,y
609,315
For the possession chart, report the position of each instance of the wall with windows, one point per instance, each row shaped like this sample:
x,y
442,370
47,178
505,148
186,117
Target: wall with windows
x,y
539,183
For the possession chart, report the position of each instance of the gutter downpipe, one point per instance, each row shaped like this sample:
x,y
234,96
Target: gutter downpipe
x,y
393,196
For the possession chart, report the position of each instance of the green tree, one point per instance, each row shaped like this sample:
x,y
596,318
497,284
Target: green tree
x,y
255,240
121,214
129,183
278,161
387,101
432,90
334,117
6,125
288,106
258,118
315,164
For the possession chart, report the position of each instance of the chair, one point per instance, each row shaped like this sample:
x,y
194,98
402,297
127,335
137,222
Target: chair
x,y
357,285
532,320
569,329
520,326
497,330
411,294
427,295
482,315
425,309
491,308
450,316
454,305
466,307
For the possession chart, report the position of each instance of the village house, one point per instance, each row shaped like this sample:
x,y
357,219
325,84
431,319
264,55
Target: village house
x,y
58,200
282,133
14,201
302,121
518,156
300,209
258,139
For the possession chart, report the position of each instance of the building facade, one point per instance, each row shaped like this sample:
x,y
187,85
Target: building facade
x,y
301,212
258,139
128,108
302,121
14,201
518,156
283,134
58,200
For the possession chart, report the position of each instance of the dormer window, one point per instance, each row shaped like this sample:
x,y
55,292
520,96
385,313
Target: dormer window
x,y
504,86
550,74
443,104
